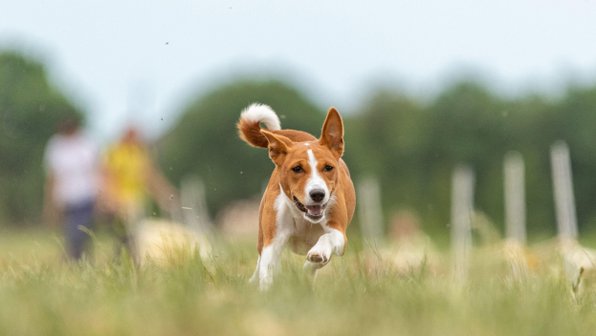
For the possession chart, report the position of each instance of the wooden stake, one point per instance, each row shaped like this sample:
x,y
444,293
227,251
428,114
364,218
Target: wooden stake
x,y
194,205
563,191
515,198
462,207
370,209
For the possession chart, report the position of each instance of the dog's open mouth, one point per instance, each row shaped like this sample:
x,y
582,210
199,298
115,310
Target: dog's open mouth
x,y
314,212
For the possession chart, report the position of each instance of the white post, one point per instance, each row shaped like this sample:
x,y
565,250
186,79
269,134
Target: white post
x,y
515,198
194,205
196,217
370,209
462,207
563,191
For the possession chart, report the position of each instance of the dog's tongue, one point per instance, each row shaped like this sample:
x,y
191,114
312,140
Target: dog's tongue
x,y
315,210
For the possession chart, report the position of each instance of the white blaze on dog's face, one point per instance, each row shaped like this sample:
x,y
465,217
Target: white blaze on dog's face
x,y
308,170
309,179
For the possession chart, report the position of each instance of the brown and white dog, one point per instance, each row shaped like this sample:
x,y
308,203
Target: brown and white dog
x,y
310,198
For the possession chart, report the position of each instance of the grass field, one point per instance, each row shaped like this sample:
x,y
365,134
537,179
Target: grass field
x,y
41,295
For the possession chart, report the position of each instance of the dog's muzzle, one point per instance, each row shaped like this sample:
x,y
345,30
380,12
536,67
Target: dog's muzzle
x,y
314,211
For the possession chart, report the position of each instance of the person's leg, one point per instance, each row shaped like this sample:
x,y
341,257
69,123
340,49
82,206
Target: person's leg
x,y
118,231
79,223
133,216
124,237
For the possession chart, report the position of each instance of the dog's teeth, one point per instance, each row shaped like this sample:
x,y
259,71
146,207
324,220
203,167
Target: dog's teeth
x,y
315,210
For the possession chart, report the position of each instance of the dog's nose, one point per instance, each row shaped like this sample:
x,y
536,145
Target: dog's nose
x,y
317,195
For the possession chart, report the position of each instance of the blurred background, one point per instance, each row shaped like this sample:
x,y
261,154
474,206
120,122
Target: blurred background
x,y
422,86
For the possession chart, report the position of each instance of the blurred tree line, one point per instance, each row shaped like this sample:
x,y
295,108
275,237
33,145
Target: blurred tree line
x,y
410,145
30,108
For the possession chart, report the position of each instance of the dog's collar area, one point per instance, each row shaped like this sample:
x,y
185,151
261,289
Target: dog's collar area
x,y
314,212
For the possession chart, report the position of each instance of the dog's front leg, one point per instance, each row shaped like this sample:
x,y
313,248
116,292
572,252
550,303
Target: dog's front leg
x,y
330,243
269,261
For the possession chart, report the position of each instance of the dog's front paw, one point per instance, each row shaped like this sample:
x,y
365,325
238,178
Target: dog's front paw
x,y
318,256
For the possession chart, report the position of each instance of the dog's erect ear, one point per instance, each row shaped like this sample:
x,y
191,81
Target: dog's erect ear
x,y
332,134
278,146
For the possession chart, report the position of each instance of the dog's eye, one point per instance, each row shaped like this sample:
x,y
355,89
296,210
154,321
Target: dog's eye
x,y
328,168
297,169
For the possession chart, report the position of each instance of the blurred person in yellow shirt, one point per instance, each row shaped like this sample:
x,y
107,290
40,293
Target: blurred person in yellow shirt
x,y
129,179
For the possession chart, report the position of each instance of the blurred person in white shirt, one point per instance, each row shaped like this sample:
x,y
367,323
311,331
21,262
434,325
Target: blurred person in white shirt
x,y
72,184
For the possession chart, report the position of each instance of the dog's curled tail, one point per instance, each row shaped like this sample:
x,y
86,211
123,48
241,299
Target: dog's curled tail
x,y
249,125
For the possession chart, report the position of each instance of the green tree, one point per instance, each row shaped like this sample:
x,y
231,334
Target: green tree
x,y
29,108
575,119
413,149
530,129
387,139
467,128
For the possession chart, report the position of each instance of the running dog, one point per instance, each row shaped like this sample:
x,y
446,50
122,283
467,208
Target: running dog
x,y
310,199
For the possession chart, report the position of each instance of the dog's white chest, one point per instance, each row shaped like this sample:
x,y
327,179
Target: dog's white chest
x,y
300,233
304,236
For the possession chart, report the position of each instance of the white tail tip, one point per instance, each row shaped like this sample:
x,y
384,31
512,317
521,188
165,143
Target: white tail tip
x,y
263,114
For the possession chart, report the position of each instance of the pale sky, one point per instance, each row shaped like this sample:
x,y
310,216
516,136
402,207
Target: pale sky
x,y
140,60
